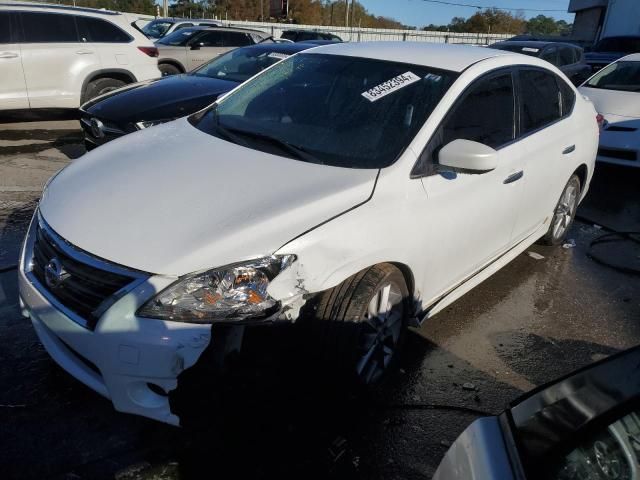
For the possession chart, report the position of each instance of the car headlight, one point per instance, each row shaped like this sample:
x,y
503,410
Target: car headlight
x,y
229,294
151,123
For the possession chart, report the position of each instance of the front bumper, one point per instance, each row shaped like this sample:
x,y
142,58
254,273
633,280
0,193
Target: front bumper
x,y
127,359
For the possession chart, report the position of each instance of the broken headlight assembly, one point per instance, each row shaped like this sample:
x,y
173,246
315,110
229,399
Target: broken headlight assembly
x,y
234,293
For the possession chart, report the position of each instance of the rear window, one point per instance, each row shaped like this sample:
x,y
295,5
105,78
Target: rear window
x,y
100,31
5,27
526,50
237,39
157,28
540,100
289,35
48,27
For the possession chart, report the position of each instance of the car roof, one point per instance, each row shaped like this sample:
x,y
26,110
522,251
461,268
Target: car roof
x,y
533,43
68,8
178,19
290,48
437,55
226,29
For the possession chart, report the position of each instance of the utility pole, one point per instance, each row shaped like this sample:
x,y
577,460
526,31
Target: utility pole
x,y
261,11
165,8
346,13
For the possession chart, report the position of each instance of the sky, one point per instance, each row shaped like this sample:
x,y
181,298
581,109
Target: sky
x,y
420,12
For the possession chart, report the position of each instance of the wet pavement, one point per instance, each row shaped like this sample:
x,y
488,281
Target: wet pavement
x,y
536,319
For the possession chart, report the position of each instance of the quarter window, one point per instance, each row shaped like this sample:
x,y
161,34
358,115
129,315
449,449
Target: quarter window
x,y
5,27
567,56
485,115
100,31
48,27
568,97
540,104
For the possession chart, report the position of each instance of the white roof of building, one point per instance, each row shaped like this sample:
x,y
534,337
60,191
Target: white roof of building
x,y
438,55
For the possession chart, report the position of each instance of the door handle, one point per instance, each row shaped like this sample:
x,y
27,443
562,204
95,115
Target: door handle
x,y
84,52
514,177
568,150
8,55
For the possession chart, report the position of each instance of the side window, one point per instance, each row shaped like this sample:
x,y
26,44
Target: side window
x,y
540,104
567,56
550,55
236,39
48,27
209,39
183,25
485,114
100,31
5,27
568,97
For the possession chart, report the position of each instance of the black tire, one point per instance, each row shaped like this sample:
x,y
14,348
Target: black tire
x,y
168,69
343,325
100,87
553,237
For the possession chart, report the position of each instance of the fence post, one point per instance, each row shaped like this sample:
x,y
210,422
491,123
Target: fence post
x,y
404,37
446,39
272,30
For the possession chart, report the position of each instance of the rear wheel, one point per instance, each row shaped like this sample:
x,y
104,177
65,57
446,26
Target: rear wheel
x,y
564,213
101,86
361,323
168,69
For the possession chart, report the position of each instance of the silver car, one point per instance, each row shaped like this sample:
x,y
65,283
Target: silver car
x,y
188,48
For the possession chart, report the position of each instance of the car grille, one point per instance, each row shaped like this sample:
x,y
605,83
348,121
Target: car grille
x,y
107,132
618,153
79,287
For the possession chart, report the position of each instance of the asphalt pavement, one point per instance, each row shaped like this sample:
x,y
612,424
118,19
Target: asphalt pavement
x,y
540,317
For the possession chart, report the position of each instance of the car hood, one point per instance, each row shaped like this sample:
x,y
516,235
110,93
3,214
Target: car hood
x,y
173,200
603,57
159,99
614,102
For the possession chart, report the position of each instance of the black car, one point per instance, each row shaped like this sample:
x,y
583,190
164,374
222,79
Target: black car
x,y
307,35
567,57
611,49
148,103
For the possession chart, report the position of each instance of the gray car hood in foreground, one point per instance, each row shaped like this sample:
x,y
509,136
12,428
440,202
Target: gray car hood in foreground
x,y
174,200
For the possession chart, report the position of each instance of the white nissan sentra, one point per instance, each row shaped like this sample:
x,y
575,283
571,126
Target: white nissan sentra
x,y
375,182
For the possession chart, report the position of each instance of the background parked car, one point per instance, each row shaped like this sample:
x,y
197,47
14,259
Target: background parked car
x,y
161,27
157,101
611,49
615,92
567,57
306,35
188,48
59,57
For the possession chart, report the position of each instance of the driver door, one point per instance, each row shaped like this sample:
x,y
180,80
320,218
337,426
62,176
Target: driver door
x,y
472,215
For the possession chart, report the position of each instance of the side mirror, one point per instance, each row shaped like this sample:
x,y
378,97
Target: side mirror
x,y
468,155
195,46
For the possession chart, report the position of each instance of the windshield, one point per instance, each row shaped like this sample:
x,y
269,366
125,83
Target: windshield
x,y
532,51
156,28
341,111
618,44
240,65
179,38
624,76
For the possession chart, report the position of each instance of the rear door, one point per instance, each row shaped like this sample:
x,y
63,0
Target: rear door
x,y
55,61
107,40
205,46
13,88
549,137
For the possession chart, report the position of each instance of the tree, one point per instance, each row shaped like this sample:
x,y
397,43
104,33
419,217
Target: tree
x,y
542,25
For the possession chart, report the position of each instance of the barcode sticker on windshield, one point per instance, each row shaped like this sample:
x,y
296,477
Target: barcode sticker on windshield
x,y
278,55
390,86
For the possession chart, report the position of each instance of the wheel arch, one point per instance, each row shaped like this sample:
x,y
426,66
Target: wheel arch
x,y
117,73
171,61
583,174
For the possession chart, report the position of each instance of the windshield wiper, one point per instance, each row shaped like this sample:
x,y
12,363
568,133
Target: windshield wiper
x,y
298,152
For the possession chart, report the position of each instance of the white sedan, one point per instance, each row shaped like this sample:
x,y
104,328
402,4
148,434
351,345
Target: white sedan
x,y
357,188
615,92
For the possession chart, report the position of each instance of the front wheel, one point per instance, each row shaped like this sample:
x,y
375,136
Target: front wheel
x,y
360,325
564,213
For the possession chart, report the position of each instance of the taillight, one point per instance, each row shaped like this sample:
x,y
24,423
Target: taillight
x,y
151,51
601,121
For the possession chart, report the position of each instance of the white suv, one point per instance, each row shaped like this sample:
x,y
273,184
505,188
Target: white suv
x,y
59,57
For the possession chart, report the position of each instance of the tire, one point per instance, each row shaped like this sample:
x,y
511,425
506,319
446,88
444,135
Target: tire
x,y
564,213
355,341
100,87
168,69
